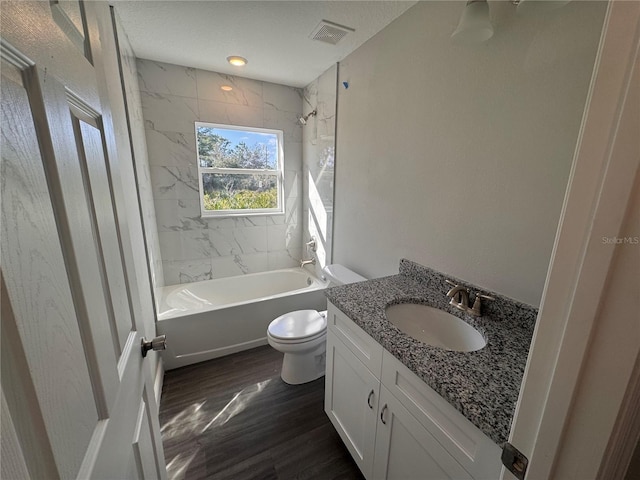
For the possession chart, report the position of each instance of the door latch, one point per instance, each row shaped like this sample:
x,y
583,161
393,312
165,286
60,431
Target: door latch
x,y
158,343
514,460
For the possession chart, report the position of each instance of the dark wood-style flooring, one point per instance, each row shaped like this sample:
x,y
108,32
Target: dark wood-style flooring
x,y
234,418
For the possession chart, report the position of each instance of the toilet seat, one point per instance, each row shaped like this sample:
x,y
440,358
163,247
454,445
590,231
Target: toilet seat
x,y
297,341
298,326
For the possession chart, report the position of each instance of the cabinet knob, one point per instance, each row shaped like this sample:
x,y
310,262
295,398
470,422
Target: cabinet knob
x,y
384,409
369,399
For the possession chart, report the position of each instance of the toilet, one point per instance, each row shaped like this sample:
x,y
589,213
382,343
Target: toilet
x,y
302,335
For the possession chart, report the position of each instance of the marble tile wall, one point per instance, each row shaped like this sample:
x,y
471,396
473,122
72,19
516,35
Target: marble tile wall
x,y
318,146
195,248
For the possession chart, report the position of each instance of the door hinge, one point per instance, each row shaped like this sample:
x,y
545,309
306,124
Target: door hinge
x,y
514,460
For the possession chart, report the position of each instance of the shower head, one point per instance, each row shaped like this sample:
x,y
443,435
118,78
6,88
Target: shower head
x,y
302,119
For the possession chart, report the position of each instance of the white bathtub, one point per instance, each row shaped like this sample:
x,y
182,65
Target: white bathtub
x,y
212,318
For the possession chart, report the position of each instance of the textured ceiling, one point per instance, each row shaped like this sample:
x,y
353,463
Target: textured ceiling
x,y
272,35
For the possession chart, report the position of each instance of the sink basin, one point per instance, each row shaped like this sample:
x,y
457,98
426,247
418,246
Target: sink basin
x,y
435,327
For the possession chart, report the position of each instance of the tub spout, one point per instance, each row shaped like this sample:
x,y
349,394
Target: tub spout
x,y
312,261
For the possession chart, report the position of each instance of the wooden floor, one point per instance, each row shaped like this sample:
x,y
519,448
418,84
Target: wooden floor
x,y
234,418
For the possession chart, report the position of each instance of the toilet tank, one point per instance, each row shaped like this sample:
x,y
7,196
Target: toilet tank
x,y
340,275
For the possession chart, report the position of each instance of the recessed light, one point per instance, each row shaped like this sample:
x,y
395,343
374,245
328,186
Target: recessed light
x,y
237,61
226,88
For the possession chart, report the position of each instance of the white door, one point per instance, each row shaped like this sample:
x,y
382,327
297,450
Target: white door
x,y
76,386
584,350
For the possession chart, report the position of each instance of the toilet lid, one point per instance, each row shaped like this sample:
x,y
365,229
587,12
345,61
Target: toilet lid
x,y
299,325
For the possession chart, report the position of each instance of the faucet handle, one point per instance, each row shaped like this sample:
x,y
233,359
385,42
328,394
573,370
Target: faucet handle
x,y
312,244
486,297
455,291
477,304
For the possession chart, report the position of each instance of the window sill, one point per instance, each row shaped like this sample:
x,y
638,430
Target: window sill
x,y
241,214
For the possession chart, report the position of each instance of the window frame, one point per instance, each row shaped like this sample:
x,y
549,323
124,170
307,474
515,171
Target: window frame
x,y
279,173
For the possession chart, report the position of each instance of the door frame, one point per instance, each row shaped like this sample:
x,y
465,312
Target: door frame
x,y
600,185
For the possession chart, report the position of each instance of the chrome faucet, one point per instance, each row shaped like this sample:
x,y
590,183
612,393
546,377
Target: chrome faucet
x,y
460,299
312,244
312,261
459,296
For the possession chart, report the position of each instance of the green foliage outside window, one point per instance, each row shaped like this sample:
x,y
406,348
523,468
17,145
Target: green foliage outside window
x,y
241,200
239,191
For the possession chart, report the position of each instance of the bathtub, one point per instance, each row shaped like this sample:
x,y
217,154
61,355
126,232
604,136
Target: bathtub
x,y
212,318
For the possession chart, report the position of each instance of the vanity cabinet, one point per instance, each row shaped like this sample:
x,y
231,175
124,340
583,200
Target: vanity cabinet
x,y
394,425
351,402
406,450
354,365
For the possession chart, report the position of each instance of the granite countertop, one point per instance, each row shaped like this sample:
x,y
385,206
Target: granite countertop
x,y
482,385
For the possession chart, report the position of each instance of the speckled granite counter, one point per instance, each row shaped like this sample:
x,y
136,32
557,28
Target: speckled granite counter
x,y
483,385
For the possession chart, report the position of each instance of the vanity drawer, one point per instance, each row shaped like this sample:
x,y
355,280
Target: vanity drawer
x,y
365,348
476,452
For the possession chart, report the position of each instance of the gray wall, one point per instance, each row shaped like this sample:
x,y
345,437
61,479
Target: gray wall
x,y
458,157
195,248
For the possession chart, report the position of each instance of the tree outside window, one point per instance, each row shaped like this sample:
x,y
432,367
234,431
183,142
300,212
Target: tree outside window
x,y
240,170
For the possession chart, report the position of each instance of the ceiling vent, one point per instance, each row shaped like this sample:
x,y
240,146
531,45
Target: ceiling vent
x,y
329,32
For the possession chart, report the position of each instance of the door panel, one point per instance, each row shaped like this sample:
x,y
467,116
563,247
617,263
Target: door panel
x,y
114,455
13,463
99,195
44,313
142,444
54,130
69,15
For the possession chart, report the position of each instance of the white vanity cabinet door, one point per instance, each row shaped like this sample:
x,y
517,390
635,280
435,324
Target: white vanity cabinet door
x,y
351,401
471,448
405,450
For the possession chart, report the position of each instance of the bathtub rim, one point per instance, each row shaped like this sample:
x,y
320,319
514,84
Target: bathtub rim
x,y
165,312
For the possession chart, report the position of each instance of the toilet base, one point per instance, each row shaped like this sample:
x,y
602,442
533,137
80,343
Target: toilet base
x,y
298,368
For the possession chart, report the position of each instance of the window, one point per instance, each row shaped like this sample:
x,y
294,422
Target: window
x,y
239,170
